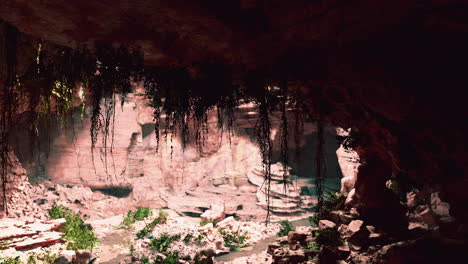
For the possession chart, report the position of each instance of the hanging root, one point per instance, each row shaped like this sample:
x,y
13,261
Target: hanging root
x,y
320,167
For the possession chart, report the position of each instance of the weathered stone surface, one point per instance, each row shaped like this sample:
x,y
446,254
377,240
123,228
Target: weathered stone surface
x,y
216,212
83,256
296,237
66,257
41,240
272,247
327,256
324,224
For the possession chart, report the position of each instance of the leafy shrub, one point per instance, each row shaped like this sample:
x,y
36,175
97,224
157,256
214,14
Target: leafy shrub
x,y
200,238
10,260
169,258
286,227
328,237
313,220
161,219
3,245
205,222
78,235
187,238
46,257
312,247
332,201
162,243
139,215
59,211
233,240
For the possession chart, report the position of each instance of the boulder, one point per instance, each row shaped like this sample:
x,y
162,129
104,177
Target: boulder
x,y
351,199
357,234
296,256
226,222
335,216
66,257
272,247
297,238
83,256
327,256
324,224
342,252
288,256
283,240
216,212
439,208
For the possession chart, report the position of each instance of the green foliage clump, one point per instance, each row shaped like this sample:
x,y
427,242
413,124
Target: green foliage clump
x,y
233,240
3,245
162,243
205,222
10,260
77,234
169,258
59,211
161,219
188,238
132,216
46,258
312,247
328,237
286,227
332,201
200,238
313,220
43,258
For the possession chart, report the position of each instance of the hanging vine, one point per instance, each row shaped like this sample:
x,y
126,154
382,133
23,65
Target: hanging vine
x,y
181,99
284,133
320,167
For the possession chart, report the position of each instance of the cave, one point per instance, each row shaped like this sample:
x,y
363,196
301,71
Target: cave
x,y
236,131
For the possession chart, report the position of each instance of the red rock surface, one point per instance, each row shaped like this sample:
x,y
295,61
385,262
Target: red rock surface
x,y
394,70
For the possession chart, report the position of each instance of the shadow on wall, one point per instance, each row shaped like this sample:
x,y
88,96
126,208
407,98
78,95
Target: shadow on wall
x,y
35,144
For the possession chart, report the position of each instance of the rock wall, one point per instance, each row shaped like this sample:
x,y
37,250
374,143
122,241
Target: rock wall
x,y
131,165
133,162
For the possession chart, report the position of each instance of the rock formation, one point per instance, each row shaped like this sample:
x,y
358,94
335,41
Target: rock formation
x,y
282,196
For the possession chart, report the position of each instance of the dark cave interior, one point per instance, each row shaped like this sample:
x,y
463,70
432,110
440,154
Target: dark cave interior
x,y
281,74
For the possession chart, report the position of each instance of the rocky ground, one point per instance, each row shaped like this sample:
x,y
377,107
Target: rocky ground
x,y
344,237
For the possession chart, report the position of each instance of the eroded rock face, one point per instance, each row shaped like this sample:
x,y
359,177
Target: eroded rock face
x,y
371,65
375,202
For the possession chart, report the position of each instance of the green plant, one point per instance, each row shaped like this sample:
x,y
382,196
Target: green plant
x,y
47,257
313,220
139,215
59,211
200,238
233,240
187,238
162,243
170,258
286,227
10,260
205,222
161,219
312,247
3,244
328,237
332,201
78,235
32,259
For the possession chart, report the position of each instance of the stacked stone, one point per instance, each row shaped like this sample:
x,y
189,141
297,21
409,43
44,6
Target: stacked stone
x,y
285,198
